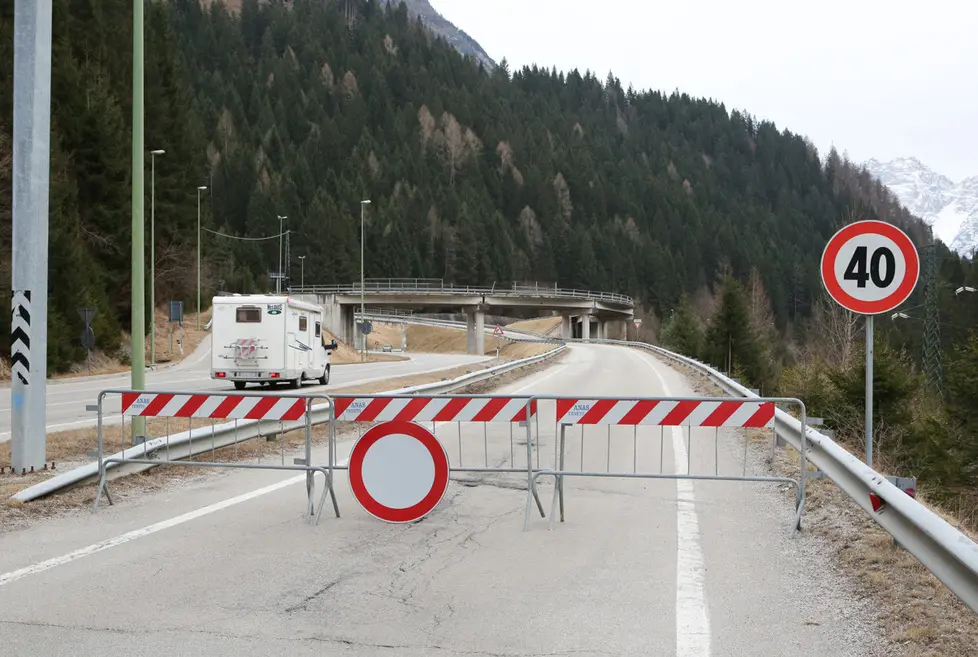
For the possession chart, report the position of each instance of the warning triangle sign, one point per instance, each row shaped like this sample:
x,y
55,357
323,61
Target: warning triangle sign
x,y
498,330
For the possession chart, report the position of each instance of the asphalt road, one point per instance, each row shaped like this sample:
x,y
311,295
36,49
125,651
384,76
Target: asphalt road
x,y
226,565
67,398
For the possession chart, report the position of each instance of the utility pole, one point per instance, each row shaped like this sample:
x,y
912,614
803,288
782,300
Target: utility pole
x,y
278,280
138,321
152,255
199,190
302,271
363,206
29,270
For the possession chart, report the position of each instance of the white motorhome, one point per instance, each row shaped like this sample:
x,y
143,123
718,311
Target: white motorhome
x,y
268,339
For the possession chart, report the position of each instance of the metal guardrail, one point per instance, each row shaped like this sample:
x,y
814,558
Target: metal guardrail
x,y
512,334
436,286
190,443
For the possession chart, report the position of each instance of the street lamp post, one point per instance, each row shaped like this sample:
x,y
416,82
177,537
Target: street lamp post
x,y
152,256
199,190
363,206
278,279
302,271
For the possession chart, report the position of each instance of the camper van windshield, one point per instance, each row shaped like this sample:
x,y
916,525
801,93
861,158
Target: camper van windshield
x,y
249,315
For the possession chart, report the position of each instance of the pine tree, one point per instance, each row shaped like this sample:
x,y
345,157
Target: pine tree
x,y
731,340
682,332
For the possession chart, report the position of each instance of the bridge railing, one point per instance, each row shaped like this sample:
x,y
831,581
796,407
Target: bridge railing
x,y
438,286
543,290
395,285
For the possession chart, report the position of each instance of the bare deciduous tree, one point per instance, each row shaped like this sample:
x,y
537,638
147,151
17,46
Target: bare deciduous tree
x,y
453,145
562,190
837,331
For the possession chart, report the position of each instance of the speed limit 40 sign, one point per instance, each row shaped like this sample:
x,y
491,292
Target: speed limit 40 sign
x,y
870,267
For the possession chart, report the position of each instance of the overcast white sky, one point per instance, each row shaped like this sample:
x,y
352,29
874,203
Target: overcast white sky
x,y
875,78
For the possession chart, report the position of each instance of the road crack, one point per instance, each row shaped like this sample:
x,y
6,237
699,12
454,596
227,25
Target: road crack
x,y
304,605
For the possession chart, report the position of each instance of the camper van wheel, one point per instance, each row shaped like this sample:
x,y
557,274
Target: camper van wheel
x,y
324,379
295,383
239,385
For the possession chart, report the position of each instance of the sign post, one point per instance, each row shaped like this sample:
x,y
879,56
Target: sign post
x,y
498,332
176,317
88,335
870,267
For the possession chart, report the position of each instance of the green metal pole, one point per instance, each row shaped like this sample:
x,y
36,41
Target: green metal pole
x,y
138,328
152,259
198,258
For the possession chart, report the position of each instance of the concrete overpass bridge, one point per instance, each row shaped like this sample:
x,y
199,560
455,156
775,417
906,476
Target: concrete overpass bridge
x,y
585,313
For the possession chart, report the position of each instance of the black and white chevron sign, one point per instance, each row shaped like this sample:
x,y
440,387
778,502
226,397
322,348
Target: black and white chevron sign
x,y
20,335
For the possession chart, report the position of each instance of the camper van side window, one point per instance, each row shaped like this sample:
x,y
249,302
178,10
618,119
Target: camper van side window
x,y
248,316
319,329
302,323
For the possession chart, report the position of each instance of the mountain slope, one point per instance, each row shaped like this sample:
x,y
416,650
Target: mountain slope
x,y
441,26
951,208
292,108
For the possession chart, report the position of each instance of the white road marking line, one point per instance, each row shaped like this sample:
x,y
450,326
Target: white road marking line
x,y
537,381
692,612
101,546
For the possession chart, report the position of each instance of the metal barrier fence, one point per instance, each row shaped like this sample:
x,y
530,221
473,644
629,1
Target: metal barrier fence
x,y
292,412
661,412
565,412
446,410
295,412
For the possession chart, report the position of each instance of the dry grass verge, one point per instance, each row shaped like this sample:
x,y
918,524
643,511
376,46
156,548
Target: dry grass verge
x,y
439,340
346,354
385,334
919,615
545,325
70,448
192,336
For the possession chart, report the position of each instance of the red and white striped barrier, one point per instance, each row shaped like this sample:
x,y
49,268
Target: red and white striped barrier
x,y
218,407
432,409
666,413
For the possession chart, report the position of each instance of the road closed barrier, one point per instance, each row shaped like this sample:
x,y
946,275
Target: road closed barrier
x,y
400,465
399,468
173,408
647,417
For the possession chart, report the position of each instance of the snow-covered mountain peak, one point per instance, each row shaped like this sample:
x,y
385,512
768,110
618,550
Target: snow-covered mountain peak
x,y
951,208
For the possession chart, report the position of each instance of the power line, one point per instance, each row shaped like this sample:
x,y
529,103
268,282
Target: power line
x,y
246,239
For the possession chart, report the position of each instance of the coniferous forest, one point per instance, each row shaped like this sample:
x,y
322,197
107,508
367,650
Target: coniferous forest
x,y
714,221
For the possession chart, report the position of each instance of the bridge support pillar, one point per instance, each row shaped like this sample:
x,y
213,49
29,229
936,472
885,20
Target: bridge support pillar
x,y
348,327
566,327
585,327
475,325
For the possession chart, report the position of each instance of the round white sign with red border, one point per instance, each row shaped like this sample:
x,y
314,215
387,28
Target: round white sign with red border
x,y
870,267
398,471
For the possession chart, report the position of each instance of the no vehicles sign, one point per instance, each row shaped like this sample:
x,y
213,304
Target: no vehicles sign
x,y
870,267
